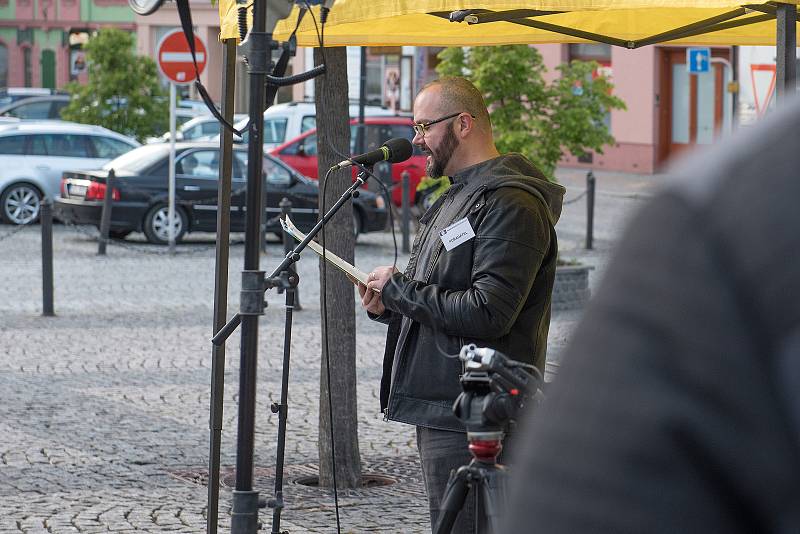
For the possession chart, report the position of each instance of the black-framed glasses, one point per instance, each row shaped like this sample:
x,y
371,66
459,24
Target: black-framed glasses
x,y
421,127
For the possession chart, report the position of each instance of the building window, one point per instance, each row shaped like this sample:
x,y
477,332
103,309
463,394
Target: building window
x,y
28,66
600,53
3,65
590,51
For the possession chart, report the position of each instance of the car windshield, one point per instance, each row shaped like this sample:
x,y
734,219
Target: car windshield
x,y
138,159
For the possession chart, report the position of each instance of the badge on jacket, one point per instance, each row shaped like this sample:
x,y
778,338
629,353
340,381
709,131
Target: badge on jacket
x,y
457,233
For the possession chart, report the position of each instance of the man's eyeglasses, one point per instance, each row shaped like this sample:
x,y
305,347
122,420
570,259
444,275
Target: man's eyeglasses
x,y
420,128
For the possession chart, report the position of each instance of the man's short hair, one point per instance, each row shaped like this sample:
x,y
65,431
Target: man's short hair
x,y
459,94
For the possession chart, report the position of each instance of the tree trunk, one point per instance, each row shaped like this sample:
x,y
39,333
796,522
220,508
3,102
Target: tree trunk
x,y
333,128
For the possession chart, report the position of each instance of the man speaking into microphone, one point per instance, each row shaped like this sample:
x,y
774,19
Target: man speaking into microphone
x,y
481,271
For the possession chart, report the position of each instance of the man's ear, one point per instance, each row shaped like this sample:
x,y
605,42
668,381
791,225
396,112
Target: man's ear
x,y
466,124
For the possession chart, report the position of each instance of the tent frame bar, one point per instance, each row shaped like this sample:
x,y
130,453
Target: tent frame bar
x,y
523,17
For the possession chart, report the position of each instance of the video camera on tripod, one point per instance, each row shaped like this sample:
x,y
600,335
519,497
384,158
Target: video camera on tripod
x,y
495,389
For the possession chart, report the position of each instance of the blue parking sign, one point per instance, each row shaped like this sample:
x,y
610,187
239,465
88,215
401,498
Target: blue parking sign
x,y
698,60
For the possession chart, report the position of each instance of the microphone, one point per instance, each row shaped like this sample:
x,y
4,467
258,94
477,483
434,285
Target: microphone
x,y
394,151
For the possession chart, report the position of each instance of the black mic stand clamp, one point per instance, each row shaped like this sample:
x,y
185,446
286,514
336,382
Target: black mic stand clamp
x,y
286,279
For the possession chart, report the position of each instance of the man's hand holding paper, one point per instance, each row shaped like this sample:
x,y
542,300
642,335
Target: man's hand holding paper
x,y
370,293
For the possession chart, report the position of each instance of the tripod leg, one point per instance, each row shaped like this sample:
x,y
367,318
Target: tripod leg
x,y
455,495
492,489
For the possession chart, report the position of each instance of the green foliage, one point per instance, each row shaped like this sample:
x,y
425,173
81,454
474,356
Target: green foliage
x,y
123,93
529,115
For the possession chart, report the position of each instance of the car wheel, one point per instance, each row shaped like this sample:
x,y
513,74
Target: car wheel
x,y
21,204
156,224
119,234
358,225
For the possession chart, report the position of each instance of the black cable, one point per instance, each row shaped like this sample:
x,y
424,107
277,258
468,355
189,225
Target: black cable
x,y
327,352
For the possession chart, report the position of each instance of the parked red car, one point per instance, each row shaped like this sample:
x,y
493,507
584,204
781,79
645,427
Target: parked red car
x,y
301,152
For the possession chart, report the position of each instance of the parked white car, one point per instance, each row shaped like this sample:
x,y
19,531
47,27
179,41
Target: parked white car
x,y
288,120
33,156
197,129
36,107
12,94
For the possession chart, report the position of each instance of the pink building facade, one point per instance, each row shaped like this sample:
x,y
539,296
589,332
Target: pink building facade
x,y
668,109
40,39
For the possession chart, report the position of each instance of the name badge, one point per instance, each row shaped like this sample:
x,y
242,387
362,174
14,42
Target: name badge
x,y
457,233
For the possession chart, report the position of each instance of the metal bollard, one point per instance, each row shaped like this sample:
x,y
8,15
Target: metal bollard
x,y
406,213
590,185
105,215
288,245
46,218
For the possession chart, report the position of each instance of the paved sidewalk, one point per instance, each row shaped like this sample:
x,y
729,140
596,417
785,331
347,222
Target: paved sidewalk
x,y
105,406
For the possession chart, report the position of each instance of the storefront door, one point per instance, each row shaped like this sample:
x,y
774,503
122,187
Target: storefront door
x,y
695,108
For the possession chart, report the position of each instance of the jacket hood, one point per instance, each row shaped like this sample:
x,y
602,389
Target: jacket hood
x,y
516,168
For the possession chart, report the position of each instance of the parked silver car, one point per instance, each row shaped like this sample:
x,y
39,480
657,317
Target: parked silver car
x,y
33,156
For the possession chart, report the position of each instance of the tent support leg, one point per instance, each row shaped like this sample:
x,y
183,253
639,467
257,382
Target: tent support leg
x,y
786,53
221,284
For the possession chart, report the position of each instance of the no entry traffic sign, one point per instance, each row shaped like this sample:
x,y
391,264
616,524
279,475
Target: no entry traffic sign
x,y
175,59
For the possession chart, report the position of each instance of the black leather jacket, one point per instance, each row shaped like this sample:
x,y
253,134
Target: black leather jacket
x,y
493,290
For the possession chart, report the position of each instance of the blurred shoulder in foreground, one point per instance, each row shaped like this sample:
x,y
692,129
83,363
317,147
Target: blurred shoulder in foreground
x,y
678,405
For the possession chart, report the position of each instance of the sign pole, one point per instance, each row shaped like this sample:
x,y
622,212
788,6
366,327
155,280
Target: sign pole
x,y
174,60
171,216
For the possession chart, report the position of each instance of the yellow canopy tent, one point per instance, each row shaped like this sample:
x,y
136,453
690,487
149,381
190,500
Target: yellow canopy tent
x,y
626,23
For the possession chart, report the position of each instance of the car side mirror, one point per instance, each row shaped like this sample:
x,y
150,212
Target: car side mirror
x,y
179,136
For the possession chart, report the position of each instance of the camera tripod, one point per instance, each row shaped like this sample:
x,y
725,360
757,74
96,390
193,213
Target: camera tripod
x,y
495,388
483,475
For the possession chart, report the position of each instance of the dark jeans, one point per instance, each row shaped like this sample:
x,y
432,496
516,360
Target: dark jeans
x,y
442,451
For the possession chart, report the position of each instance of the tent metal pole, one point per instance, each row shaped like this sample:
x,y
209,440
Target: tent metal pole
x,y
735,79
786,53
221,283
244,513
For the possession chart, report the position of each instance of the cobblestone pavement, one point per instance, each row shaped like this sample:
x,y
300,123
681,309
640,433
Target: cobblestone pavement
x,y
105,406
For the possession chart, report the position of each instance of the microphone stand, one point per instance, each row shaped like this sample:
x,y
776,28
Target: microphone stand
x,y
285,278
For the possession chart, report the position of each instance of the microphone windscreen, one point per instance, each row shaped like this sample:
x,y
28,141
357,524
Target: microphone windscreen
x,y
400,149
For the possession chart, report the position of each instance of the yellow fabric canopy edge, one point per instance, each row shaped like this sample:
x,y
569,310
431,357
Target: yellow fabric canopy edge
x,y
400,22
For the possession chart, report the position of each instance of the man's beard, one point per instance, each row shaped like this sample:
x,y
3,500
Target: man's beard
x,y
441,157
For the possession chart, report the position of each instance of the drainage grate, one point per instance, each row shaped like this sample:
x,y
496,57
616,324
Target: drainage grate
x,y
395,475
